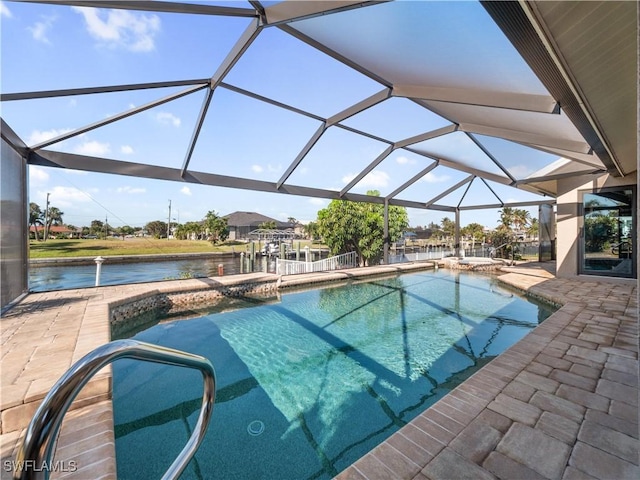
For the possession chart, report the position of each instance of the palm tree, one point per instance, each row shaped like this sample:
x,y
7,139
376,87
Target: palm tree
x,y
506,216
532,230
448,227
54,218
35,217
311,230
521,218
270,225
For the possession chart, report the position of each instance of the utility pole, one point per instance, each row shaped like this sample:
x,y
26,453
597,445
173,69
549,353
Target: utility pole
x,y
106,227
169,224
46,219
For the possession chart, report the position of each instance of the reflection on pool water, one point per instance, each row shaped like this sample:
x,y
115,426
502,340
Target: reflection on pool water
x,y
308,385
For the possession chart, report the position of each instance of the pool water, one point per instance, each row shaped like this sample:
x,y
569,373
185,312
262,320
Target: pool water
x,y
308,385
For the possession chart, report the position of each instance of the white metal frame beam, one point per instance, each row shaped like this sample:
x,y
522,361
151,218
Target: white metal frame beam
x,y
293,10
526,138
120,116
490,155
242,44
450,190
9,97
559,176
511,205
50,158
9,136
492,191
362,105
455,165
154,6
412,180
401,144
303,153
367,170
423,137
465,193
484,98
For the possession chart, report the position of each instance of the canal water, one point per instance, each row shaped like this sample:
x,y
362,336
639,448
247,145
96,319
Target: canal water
x,y
43,278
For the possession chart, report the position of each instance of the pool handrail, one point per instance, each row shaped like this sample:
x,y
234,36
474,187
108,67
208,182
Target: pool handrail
x,y
36,450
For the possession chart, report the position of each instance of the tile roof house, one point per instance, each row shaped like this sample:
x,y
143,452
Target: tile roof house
x,y
55,231
241,223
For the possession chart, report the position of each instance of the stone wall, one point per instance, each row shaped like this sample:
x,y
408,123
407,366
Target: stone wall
x,y
143,308
457,264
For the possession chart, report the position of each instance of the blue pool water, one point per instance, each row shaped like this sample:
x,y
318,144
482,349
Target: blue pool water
x,y
310,383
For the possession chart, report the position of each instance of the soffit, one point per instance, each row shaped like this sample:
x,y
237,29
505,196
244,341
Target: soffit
x,y
598,42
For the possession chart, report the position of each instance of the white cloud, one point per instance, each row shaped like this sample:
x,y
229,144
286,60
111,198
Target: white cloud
x,y
126,149
167,118
38,136
376,179
121,29
433,178
257,168
275,169
318,201
37,176
4,11
130,190
186,190
93,148
63,197
40,29
405,161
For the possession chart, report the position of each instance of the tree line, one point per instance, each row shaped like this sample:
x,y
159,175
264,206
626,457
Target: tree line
x,y
213,227
344,226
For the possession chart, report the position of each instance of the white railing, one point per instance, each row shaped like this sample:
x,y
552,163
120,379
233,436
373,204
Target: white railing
x,y
434,254
294,267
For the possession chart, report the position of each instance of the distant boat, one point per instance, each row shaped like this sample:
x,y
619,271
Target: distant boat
x,y
270,249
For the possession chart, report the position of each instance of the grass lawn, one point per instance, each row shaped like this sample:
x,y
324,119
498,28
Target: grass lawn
x,y
117,246
129,246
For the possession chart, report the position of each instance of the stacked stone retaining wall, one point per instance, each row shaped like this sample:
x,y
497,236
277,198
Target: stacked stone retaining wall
x,y
141,308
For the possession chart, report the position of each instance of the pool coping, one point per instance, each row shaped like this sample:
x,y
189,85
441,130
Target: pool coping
x,y
560,403
93,331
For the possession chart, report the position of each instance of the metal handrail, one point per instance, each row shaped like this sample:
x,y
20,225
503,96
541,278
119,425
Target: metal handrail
x,y
40,438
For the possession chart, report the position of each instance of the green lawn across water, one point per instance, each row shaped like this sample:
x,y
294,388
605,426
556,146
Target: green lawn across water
x,y
132,246
117,246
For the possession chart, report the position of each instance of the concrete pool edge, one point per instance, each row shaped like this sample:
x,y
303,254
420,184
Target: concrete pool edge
x,y
46,332
97,302
548,407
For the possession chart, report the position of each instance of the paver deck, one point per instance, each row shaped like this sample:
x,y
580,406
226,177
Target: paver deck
x,y
560,404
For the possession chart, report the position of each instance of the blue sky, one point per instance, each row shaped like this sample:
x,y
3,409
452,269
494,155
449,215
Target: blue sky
x,y
54,47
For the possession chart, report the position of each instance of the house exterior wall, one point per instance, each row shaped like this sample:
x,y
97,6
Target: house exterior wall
x,y
569,221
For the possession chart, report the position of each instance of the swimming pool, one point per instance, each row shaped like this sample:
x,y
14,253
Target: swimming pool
x,y
309,384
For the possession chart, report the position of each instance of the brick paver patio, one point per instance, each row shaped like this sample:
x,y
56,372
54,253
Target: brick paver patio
x,y
560,404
